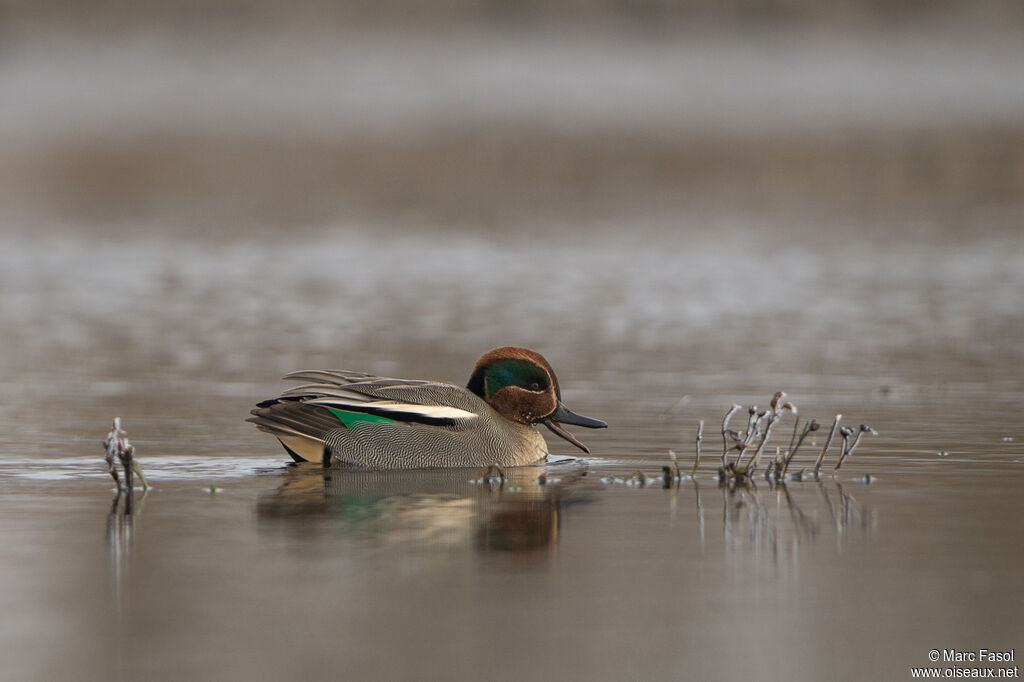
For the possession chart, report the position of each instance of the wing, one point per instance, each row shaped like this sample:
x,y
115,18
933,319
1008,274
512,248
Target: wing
x,y
425,402
309,418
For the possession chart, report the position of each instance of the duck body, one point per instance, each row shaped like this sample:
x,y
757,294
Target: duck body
x,y
377,422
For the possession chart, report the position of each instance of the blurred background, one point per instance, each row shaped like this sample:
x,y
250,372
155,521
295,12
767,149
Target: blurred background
x,y
487,114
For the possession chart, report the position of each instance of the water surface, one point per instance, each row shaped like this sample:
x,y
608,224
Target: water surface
x,y
237,565
677,227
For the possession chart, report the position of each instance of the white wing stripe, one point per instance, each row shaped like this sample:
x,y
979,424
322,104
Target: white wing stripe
x,y
390,406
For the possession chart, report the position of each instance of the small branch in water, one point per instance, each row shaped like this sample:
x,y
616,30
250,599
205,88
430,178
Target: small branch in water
x,y
828,442
809,428
844,432
796,429
752,430
760,425
672,474
772,417
725,433
700,437
639,478
110,445
668,480
119,449
775,464
848,448
491,475
138,472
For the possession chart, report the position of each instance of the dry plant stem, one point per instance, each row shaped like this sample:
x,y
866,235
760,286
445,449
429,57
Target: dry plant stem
x,y
752,425
111,460
772,418
792,439
856,441
750,434
700,437
126,462
776,464
845,433
138,472
809,427
755,457
119,449
725,432
828,442
495,470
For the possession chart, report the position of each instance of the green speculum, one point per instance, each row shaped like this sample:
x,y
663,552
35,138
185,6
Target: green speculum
x,y
349,419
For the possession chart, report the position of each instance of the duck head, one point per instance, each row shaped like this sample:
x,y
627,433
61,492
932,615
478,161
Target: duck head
x,y
521,386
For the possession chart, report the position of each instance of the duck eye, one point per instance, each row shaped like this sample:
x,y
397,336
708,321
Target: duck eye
x,y
535,386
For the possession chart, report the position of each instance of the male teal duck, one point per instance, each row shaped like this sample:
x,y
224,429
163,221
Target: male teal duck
x,y
376,422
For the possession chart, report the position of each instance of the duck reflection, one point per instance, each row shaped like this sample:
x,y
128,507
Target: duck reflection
x,y
515,510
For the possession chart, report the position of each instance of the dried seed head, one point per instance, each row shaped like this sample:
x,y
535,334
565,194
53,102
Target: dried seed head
x,y
752,410
867,429
813,425
790,406
776,398
846,431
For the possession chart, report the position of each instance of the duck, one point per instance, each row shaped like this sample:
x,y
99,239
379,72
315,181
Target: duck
x,y
372,422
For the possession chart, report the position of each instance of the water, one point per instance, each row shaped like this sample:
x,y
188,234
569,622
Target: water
x,y
176,299
295,572
280,571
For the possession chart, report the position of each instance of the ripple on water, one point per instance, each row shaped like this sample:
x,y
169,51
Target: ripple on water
x,y
164,468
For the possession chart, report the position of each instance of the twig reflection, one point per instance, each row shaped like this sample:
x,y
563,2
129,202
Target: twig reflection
x,y
747,516
120,534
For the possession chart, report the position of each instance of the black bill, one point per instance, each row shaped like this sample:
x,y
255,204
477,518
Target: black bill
x,y
563,415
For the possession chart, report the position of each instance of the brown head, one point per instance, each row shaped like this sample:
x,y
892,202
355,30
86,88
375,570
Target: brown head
x,y
521,386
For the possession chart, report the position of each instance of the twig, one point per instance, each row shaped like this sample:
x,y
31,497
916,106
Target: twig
x,y
751,432
111,455
138,472
847,451
700,437
844,432
796,428
777,406
676,473
725,433
809,428
119,449
494,474
775,465
824,450
753,428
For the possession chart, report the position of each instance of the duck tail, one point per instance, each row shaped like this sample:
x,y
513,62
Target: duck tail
x,y
300,428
